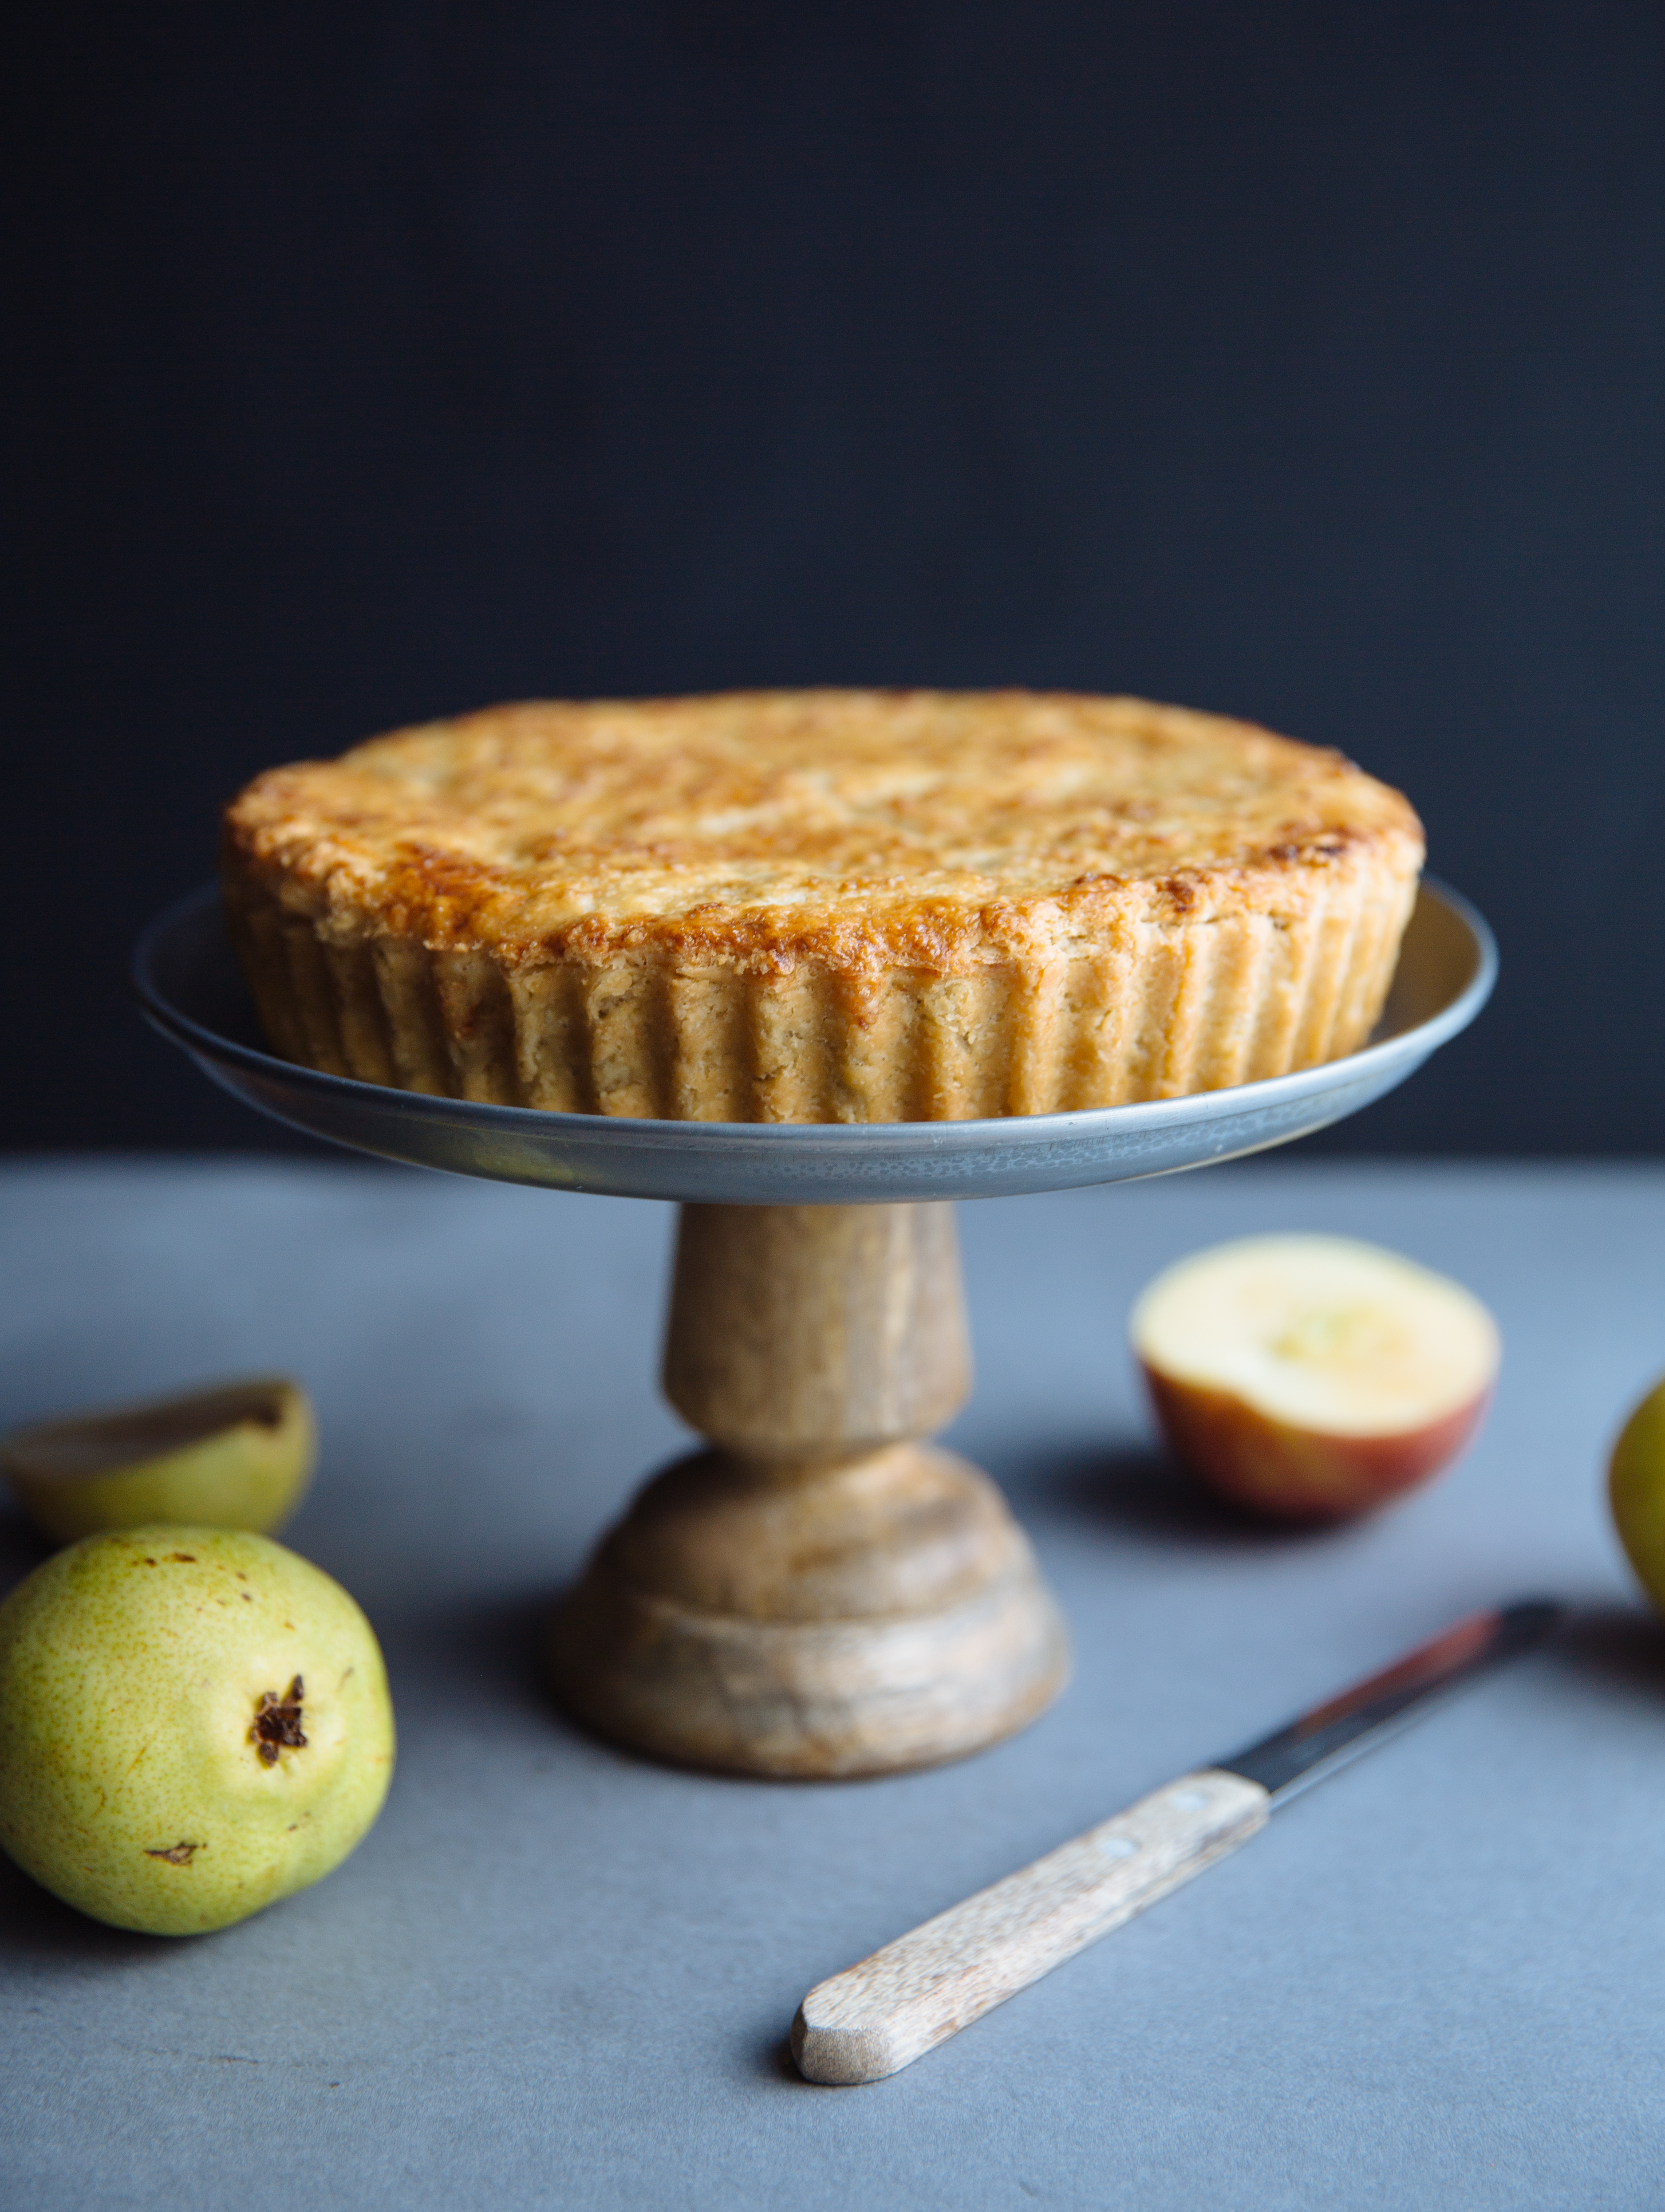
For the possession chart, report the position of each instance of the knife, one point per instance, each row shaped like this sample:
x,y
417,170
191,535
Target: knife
x,y
877,2017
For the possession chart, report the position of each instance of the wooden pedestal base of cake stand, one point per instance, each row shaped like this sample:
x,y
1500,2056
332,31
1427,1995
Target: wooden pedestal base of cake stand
x,y
822,1592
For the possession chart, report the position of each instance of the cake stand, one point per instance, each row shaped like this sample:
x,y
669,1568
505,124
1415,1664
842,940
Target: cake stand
x,y
822,1591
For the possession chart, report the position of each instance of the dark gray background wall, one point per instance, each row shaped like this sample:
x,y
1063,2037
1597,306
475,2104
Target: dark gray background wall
x,y
1301,360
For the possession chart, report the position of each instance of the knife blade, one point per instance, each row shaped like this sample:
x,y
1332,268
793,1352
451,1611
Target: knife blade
x,y
878,2016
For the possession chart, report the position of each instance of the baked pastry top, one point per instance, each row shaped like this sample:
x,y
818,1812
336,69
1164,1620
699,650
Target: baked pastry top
x,y
821,905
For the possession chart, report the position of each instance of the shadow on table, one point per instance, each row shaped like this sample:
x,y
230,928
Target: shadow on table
x,y
772,2061
1619,1645
34,1925
1137,1488
21,1548
489,1645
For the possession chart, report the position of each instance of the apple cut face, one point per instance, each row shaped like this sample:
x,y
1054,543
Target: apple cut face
x,y
1312,1377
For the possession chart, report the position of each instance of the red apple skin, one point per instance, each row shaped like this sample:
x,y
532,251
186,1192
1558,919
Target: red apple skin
x,y
1301,1474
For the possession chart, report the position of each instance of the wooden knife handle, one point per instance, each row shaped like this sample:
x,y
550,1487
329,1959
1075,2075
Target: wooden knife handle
x,y
877,2017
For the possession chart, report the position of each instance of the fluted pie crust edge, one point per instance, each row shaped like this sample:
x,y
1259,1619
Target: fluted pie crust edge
x,y
1102,990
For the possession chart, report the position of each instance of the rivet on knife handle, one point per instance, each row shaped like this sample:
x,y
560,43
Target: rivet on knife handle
x,y
879,2016
873,2018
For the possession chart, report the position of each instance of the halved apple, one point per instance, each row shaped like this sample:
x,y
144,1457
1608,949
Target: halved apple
x,y
238,1457
1311,1377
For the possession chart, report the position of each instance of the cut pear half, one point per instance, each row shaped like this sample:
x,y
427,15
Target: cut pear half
x,y
236,1457
1314,1376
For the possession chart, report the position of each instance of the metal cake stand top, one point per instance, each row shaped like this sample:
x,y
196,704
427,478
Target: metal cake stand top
x,y
188,983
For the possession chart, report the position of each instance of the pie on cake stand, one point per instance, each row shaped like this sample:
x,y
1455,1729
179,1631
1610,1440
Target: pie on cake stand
x,y
822,1591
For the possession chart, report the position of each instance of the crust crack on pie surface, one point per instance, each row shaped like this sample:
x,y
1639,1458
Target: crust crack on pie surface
x,y
820,906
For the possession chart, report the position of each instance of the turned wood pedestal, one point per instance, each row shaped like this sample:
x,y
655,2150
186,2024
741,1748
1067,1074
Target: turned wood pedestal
x,y
822,1591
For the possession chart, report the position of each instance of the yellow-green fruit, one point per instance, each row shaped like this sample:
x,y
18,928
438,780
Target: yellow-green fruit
x,y
193,1723
1636,1487
237,1457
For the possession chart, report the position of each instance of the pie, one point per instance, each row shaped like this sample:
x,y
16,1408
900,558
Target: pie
x,y
820,906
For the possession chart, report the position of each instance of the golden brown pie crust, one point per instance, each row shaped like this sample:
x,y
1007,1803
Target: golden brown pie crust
x,y
820,906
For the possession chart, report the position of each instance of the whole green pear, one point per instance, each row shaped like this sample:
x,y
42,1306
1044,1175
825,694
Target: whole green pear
x,y
194,1721
1636,1491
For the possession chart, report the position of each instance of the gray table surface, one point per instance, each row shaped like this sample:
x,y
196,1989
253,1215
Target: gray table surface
x,y
554,1976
